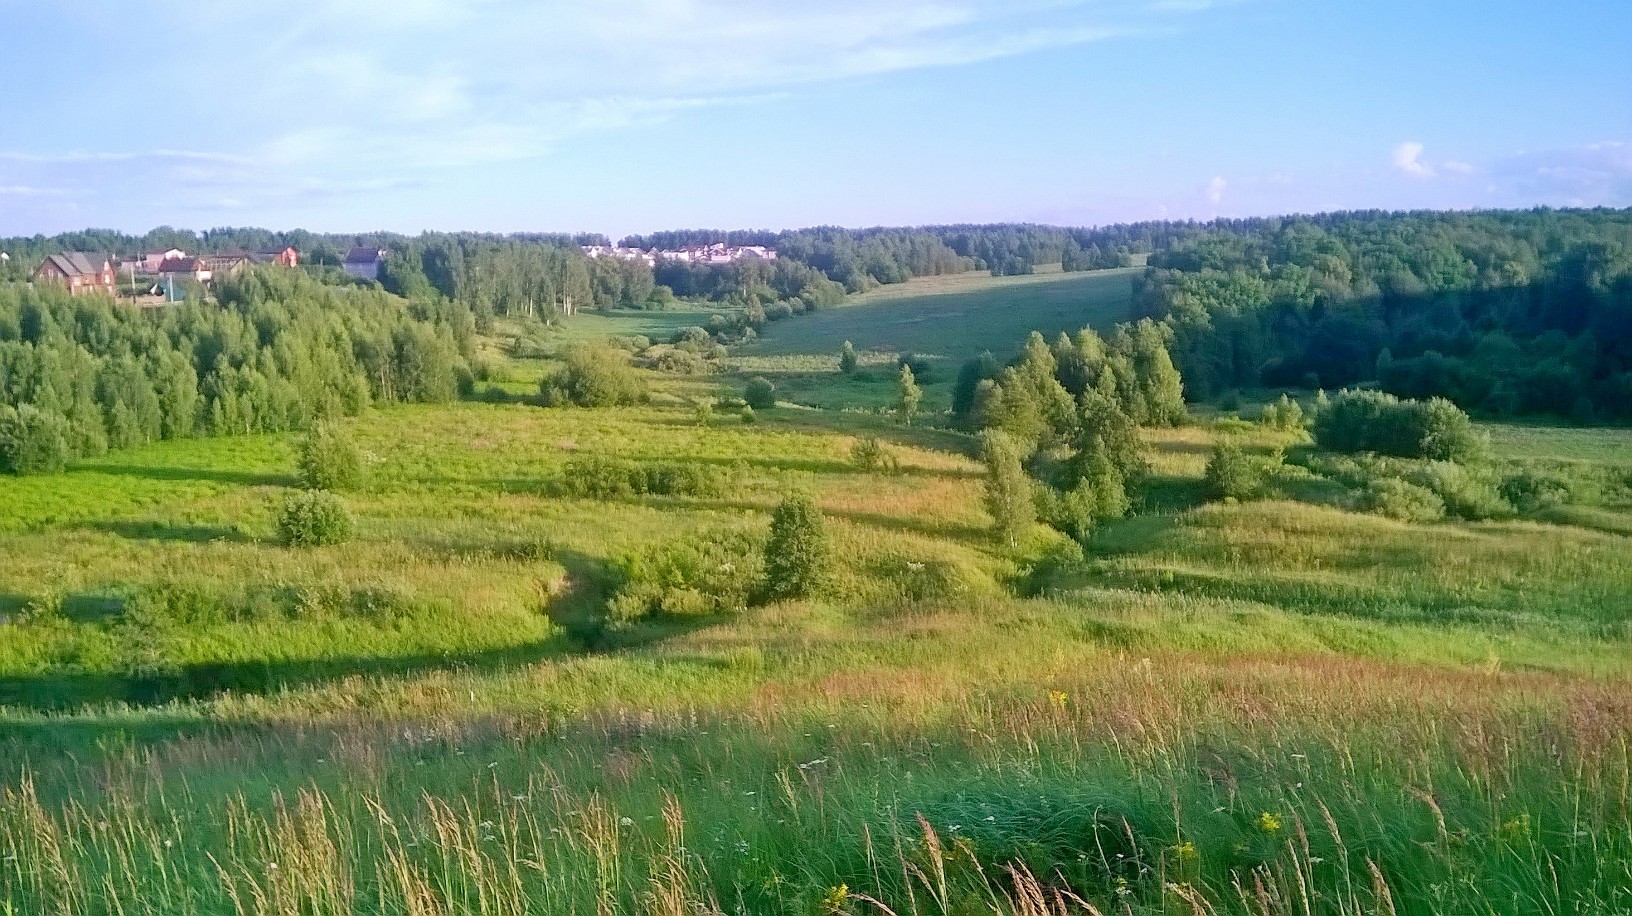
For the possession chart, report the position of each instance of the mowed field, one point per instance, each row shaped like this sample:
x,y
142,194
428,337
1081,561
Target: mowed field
x,y
944,320
1275,706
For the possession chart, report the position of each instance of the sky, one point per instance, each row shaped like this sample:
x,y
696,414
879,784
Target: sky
x,y
624,116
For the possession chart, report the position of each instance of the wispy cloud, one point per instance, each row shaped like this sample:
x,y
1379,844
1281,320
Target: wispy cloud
x,y
1215,189
1408,159
351,94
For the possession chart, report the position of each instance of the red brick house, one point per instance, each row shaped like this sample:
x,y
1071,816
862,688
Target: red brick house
x,y
78,272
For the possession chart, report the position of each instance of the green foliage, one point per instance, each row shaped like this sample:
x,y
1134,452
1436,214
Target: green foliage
x,y
1401,500
33,441
1533,490
279,350
1467,493
798,556
329,459
847,359
907,395
760,393
1374,421
983,368
603,477
1285,415
594,375
711,574
1008,492
1233,474
870,454
314,518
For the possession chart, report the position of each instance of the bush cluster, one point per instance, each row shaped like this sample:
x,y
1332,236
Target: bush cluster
x,y
33,441
708,575
593,375
1234,474
1373,421
760,393
604,477
314,518
329,459
1398,499
870,454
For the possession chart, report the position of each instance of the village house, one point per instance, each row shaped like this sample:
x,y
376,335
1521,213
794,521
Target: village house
x,y
364,262
287,257
179,268
78,272
149,262
717,253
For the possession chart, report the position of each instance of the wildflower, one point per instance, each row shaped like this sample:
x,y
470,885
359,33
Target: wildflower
x,y
1185,852
1515,829
836,899
1058,698
626,822
1269,823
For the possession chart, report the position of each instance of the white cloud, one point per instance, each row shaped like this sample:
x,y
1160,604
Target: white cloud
x,y
1215,189
1408,159
1596,174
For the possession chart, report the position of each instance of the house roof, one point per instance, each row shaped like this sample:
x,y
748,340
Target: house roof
x,y
78,263
180,266
363,255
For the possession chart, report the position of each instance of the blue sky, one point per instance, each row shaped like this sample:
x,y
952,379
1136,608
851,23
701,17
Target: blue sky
x,y
631,115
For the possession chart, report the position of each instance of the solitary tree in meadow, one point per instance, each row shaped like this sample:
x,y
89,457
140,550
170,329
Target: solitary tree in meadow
x,y
847,359
1008,489
797,556
908,395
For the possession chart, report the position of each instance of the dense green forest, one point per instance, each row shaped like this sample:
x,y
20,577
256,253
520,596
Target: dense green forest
x,y
1516,312
1502,312
81,375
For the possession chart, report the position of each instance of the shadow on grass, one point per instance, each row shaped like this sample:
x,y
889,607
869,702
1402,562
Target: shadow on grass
x,y
578,606
208,475
67,691
166,531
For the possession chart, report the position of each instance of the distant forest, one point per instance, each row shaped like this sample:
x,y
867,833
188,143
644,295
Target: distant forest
x,y
1503,312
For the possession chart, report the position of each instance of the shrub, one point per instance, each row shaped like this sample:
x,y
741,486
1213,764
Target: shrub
x,y
694,339
869,454
314,518
847,359
1407,502
673,360
777,311
1007,493
602,477
1533,490
33,441
695,576
908,394
593,376
1233,474
1373,421
1285,414
760,393
798,556
1466,494
329,459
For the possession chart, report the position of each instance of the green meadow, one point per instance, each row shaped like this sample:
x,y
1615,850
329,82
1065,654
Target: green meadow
x,y
1272,706
943,320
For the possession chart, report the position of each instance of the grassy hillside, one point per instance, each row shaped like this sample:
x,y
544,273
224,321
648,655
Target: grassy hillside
x,y
945,320
1274,706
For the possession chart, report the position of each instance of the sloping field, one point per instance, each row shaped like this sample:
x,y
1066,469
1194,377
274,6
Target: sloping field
x,y
957,317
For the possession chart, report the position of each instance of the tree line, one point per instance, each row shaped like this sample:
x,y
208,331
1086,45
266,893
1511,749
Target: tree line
x,y
1500,312
80,376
